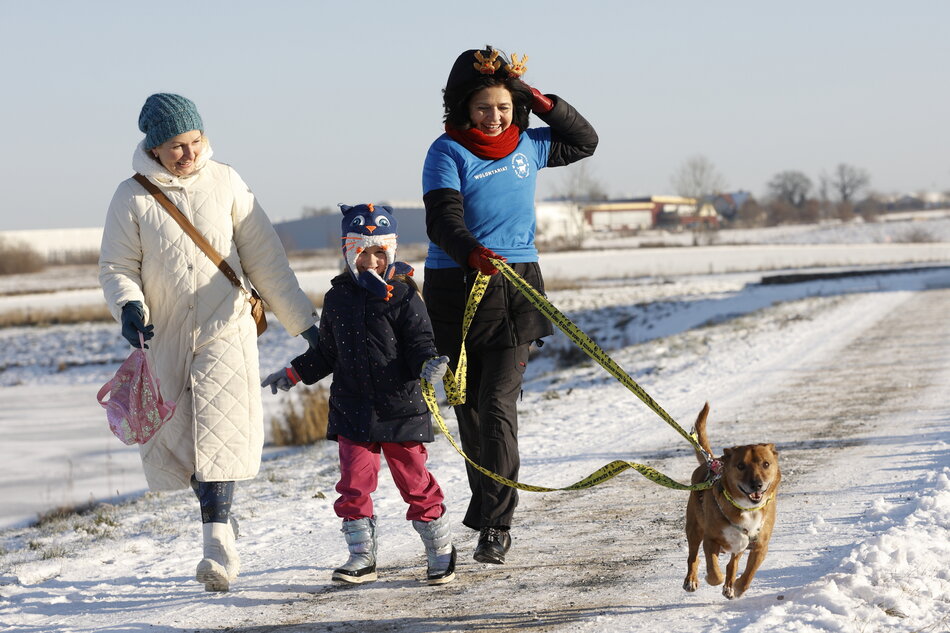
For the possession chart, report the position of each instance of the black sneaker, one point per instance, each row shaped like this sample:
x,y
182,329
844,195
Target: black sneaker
x,y
493,544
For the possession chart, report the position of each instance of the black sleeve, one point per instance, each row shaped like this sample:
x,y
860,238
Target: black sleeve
x,y
311,366
572,137
445,224
417,344
315,364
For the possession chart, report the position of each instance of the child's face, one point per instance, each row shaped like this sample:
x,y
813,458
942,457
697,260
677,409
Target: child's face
x,y
373,258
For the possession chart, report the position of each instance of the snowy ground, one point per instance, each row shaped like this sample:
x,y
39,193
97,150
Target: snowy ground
x,y
847,377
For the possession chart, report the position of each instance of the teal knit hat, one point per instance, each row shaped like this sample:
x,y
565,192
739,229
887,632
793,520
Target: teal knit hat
x,y
165,115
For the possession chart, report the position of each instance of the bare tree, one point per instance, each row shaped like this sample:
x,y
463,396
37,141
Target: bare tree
x,y
824,196
810,212
779,212
697,177
848,181
790,186
871,207
580,185
577,188
844,211
750,214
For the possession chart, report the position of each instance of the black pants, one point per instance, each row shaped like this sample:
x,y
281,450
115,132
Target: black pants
x,y
488,426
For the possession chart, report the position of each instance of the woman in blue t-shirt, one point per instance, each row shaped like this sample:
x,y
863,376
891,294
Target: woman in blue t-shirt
x,y
479,183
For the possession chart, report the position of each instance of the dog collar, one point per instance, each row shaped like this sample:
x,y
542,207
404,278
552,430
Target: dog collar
x,y
725,493
736,526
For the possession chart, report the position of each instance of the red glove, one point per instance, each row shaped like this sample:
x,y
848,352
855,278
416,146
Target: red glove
x,y
479,260
539,103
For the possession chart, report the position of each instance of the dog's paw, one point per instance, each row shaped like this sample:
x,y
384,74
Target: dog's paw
x,y
740,588
714,579
729,592
690,584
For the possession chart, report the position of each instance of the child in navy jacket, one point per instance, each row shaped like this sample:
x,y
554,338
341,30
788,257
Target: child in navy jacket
x,y
376,339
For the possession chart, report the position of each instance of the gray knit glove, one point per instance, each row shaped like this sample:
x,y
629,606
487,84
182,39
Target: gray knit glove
x,y
434,368
282,379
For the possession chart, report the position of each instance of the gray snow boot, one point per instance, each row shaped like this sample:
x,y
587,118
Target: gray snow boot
x,y
360,536
440,553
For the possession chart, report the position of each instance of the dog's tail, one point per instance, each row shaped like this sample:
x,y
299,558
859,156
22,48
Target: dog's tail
x,y
701,433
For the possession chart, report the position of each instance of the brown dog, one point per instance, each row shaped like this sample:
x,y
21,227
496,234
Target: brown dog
x,y
736,514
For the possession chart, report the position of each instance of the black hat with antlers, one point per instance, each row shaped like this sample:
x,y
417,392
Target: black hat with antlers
x,y
476,69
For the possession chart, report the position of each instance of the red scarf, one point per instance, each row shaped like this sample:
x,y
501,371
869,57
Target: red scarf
x,y
484,146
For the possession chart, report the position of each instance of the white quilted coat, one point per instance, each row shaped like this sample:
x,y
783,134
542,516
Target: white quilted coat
x,y
205,347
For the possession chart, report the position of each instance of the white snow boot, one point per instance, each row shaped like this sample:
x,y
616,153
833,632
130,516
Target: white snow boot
x,y
440,553
221,563
360,535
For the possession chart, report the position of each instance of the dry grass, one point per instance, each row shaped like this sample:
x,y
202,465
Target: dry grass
x,y
917,235
557,283
304,419
68,315
60,316
18,258
73,258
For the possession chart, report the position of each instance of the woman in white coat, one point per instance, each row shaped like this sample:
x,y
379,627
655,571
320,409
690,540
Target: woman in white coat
x,y
203,339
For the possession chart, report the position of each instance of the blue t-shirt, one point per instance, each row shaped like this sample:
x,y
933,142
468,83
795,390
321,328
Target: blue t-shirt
x,y
498,194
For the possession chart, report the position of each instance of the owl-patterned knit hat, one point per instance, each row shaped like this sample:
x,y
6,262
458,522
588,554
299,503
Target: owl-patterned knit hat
x,y
368,225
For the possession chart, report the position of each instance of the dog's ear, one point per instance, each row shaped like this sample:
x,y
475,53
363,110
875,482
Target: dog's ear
x,y
726,453
771,447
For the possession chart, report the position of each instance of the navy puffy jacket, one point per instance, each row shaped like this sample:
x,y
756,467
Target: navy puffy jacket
x,y
375,350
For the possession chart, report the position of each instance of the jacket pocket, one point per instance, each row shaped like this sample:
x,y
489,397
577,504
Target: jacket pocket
x,y
528,323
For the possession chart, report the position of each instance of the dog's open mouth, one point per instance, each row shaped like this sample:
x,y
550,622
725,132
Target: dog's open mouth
x,y
755,496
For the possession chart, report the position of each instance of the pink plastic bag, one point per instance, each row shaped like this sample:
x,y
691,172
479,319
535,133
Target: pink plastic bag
x,y
135,408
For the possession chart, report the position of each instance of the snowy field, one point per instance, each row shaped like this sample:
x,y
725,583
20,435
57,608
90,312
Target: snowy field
x,y
846,376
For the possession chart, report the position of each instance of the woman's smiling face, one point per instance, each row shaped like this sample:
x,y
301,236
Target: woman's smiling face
x,y
180,153
490,110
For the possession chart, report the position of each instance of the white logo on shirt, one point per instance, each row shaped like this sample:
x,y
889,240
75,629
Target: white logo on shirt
x,y
490,173
520,164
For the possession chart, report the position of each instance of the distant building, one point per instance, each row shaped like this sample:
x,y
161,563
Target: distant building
x,y
559,223
673,212
935,199
924,200
323,231
727,205
620,215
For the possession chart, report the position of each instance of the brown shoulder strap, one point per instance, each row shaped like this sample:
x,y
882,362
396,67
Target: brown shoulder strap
x,y
190,229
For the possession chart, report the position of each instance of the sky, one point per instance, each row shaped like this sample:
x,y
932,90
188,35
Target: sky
x,y
317,103
861,535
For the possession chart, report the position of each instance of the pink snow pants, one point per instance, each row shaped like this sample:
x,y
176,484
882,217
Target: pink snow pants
x,y
359,474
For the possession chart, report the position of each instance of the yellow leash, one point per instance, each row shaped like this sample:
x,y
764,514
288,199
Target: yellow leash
x,y
455,382
590,348
455,385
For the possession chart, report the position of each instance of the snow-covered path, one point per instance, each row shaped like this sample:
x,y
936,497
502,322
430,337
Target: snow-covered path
x,y
613,558
849,386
